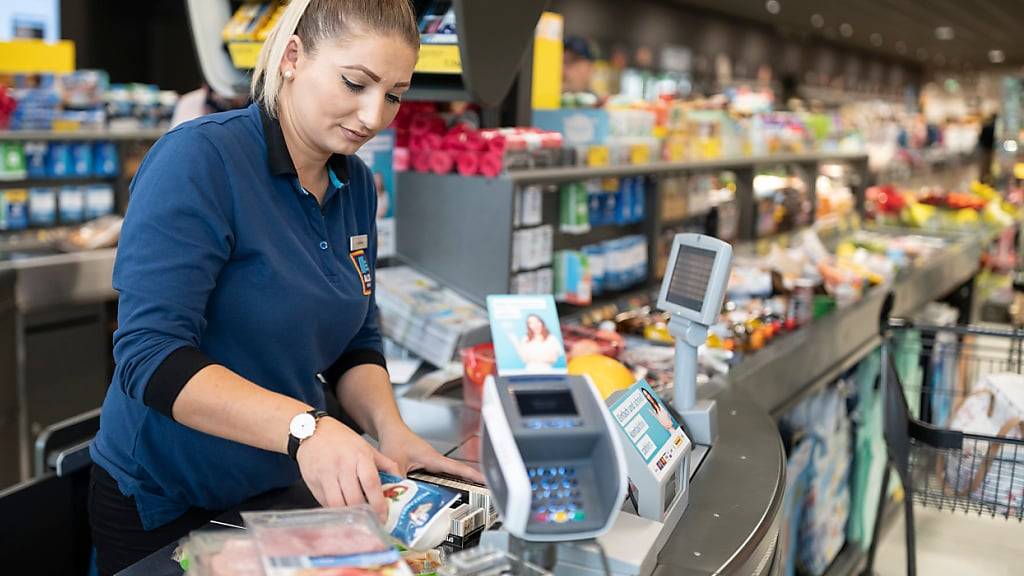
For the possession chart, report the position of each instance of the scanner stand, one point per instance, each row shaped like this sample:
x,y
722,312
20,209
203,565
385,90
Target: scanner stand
x,y
701,418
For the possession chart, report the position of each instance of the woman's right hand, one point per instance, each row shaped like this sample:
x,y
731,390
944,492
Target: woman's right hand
x,y
341,468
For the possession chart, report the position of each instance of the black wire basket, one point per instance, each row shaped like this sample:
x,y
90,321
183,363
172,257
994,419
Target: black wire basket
x,y
953,401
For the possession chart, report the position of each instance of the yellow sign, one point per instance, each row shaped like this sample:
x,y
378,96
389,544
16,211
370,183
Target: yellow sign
x,y
547,62
597,156
1018,170
37,57
244,54
439,59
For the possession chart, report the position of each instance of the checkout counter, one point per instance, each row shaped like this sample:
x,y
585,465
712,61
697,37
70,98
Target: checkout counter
x,y
731,525
722,514
55,321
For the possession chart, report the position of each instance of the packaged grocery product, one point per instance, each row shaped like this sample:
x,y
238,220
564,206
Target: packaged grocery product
x,y
322,542
419,514
222,553
42,206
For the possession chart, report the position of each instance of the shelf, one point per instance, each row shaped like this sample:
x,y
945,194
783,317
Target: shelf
x,y
574,173
596,235
140,135
688,217
56,182
621,298
492,38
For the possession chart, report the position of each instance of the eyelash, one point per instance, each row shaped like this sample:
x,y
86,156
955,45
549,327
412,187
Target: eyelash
x,y
357,88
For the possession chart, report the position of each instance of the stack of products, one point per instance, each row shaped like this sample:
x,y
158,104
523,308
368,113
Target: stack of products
x,y
25,207
609,266
252,22
941,210
440,145
422,316
22,208
85,100
624,130
428,518
604,202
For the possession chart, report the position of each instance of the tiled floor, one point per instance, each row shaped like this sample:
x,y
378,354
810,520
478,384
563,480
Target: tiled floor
x,y
954,545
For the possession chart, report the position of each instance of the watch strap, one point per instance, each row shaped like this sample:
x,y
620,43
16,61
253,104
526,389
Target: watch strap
x,y
294,441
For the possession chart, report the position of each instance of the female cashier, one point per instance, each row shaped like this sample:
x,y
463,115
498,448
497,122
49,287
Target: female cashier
x,y
246,280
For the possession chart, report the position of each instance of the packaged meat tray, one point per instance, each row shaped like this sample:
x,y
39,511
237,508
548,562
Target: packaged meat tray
x,y
324,542
222,553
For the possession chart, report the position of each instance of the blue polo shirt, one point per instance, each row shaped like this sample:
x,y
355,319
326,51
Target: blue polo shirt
x,y
225,259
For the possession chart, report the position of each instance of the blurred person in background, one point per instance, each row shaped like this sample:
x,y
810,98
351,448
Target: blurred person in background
x,y
986,147
203,101
577,65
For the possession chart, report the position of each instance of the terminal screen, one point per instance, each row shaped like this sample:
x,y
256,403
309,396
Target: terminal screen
x,y
690,277
546,403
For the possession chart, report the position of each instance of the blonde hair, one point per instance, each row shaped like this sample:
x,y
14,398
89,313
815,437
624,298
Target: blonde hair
x,y
315,21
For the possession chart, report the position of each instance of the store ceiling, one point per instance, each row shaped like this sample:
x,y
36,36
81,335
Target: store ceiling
x,y
949,34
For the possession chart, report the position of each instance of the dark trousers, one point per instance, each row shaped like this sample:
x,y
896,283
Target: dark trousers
x,y
117,531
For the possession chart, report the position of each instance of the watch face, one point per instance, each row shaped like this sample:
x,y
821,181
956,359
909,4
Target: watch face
x,y
303,426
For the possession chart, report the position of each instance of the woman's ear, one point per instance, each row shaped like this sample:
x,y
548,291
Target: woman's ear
x,y
293,53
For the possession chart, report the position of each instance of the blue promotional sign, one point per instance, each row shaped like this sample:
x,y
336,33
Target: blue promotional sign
x,y
650,427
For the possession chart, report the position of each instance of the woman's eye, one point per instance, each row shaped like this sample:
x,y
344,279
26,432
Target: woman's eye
x,y
352,85
394,98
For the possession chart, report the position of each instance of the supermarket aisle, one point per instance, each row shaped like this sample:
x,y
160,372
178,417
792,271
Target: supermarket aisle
x,y
954,545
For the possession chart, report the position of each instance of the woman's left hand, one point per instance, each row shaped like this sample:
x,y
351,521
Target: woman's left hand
x,y
414,453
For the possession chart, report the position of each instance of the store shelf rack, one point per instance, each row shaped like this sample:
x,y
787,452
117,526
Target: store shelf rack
x,y
477,260
492,39
137,135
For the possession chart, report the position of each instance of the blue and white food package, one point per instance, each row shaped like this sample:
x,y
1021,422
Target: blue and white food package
x,y
419,514
324,541
81,159
42,206
99,201
36,159
58,160
105,160
71,200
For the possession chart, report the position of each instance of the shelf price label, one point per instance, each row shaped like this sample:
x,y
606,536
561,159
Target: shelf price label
x,y
439,59
597,156
244,54
639,154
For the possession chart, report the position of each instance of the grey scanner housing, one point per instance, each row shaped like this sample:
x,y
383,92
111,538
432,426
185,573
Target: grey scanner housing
x,y
586,447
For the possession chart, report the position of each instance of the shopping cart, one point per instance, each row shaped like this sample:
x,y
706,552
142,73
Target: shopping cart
x,y
938,465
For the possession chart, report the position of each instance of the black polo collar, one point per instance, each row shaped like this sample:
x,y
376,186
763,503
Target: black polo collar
x,y
280,161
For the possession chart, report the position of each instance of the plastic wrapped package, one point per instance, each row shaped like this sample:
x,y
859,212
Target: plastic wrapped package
x,y
223,553
324,542
419,514
822,419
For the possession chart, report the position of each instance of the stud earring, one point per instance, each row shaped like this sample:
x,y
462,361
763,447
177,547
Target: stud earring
x,y
288,74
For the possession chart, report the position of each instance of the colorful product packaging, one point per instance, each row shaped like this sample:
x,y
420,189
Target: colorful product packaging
x,y
99,201
35,159
12,161
14,209
419,514
71,200
58,161
42,206
81,159
105,160
324,541
572,278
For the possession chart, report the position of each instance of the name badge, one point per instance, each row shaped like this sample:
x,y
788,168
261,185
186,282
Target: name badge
x,y
359,242
362,264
